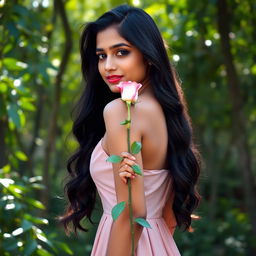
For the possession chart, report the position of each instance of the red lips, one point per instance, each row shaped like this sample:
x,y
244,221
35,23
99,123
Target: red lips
x,y
114,79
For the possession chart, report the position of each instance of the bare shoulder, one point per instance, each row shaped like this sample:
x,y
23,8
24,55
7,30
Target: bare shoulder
x,y
146,113
114,108
144,108
114,113
115,139
148,109
148,105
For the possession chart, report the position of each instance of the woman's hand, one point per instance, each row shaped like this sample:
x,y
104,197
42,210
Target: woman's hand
x,y
125,169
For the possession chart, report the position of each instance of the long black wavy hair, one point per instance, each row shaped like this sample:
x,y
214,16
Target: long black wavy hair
x,y
183,159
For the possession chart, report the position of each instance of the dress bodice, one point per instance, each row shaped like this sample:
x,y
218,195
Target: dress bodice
x,y
157,184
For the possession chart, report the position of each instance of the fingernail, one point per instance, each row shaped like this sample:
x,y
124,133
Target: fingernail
x,y
133,158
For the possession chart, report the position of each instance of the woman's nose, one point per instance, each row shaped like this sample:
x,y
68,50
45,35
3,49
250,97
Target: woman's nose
x,y
110,64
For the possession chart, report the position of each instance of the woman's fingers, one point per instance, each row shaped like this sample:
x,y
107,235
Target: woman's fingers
x,y
128,155
128,161
124,175
126,168
126,172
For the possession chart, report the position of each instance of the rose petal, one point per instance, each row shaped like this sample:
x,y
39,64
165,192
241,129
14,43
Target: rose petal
x,y
129,90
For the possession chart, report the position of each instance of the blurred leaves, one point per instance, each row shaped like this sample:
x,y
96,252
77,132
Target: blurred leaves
x,y
20,233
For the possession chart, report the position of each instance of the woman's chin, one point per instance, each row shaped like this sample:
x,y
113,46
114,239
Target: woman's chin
x,y
113,88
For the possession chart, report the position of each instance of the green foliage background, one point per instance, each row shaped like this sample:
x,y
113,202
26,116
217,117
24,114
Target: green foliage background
x,y
214,53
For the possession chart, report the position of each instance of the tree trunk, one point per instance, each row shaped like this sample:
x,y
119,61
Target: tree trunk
x,y
50,143
238,118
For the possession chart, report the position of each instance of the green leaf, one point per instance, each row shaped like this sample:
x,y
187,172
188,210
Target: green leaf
x,y
64,247
37,186
34,219
12,29
136,147
43,252
15,191
19,188
125,122
42,237
28,106
253,69
30,247
3,88
21,156
7,48
137,169
6,169
10,243
12,110
26,225
117,210
35,178
114,159
35,203
18,206
23,11
13,64
142,222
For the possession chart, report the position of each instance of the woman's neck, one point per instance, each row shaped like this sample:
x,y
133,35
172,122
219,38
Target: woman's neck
x,y
146,88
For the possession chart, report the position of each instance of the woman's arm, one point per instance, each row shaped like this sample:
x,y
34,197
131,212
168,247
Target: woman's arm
x,y
169,216
116,142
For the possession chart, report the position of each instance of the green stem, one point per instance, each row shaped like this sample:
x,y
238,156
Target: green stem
x,y
129,180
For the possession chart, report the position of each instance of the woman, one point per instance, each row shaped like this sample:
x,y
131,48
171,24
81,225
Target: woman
x,y
124,44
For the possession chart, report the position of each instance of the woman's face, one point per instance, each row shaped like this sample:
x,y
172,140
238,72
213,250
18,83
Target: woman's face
x,y
118,59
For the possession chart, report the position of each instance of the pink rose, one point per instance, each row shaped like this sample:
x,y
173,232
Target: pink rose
x,y
129,91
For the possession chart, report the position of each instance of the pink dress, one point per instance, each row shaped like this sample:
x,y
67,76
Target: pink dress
x,y
157,241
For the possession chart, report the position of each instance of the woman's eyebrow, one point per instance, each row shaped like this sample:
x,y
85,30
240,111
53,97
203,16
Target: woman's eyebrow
x,y
113,46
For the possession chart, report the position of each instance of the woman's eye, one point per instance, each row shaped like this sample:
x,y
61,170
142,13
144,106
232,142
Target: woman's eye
x,y
122,52
101,56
